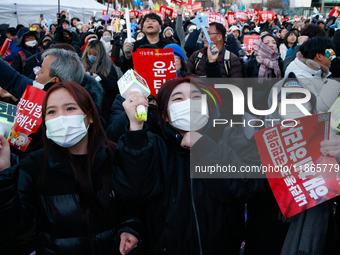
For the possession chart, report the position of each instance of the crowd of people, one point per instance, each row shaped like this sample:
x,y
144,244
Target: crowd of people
x,y
95,180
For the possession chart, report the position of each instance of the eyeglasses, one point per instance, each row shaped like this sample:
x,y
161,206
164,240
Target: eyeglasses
x,y
28,36
176,57
330,54
210,33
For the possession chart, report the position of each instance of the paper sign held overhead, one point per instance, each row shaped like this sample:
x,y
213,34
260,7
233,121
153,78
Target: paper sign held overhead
x,y
156,65
250,41
216,17
231,18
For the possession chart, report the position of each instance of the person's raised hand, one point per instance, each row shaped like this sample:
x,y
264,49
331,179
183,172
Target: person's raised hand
x,y
180,9
127,243
133,99
127,49
212,57
302,39
331,147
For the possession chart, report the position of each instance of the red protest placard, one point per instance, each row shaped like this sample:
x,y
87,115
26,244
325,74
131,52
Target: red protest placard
x,y
4,47
104,12
167,11
116,13
156,66
256,13
242,16
133,13
197,6
231,18
335,12
250,41
185,2
160,14
28,117
174,14
162,8
299,175
266,15
146,11
216,17
177,1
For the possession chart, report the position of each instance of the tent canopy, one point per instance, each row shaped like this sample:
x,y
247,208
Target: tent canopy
x,y
26,12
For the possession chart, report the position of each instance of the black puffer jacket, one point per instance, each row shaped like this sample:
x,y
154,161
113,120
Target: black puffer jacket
x,y
110,87
185,215
59,227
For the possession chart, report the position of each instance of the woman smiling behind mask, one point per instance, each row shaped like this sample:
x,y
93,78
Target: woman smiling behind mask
x,y
68,186
194,216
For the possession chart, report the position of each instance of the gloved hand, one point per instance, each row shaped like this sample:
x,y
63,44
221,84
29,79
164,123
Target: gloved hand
x,y
128,48
116,40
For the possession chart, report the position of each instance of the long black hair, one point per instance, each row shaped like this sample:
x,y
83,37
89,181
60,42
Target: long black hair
x,y
89,202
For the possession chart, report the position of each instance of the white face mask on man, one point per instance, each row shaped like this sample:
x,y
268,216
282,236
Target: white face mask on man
x,y
31,43
39,85
187,115
66,131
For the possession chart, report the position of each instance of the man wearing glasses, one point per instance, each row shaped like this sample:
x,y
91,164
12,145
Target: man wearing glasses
x,y
29,57
221,64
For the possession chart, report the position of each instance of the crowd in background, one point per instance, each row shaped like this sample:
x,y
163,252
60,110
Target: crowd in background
x,y
95,180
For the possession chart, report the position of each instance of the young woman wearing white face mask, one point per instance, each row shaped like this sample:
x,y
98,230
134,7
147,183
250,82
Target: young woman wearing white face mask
x,y
184,215
98,63
106,41
69,187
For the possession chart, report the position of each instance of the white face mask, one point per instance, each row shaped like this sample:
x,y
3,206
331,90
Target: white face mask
x,y
39,85
31,43
66,131
187,115
106,38
292,112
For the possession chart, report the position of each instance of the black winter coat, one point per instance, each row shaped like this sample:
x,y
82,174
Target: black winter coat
x,y
110,87
30,63
118,120
59,228
185,215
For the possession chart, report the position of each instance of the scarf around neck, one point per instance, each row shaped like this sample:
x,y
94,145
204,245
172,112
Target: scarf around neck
x,y
268,60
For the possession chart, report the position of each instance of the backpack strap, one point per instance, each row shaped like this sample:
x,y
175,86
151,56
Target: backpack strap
x,y
23,60
197,60
227,61
40,49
